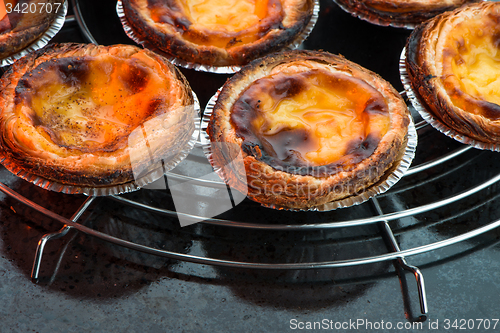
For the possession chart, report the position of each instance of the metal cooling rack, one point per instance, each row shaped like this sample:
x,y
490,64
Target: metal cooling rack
x,y
380,218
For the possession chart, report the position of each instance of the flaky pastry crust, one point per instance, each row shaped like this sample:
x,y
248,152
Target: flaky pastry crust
x,y
400,12
27,27
170,27
450,62
88,115
272,185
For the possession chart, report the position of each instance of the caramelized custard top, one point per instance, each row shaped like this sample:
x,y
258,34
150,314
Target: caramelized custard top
x,y
313,122
91,103
471,65
222,23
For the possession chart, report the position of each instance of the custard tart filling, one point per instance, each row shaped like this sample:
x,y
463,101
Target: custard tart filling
x,y
220,23
85,103
453,63
311,128
313,118
218,32
471,63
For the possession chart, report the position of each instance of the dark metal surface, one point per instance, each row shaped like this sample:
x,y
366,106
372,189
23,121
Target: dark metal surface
x,y
90,285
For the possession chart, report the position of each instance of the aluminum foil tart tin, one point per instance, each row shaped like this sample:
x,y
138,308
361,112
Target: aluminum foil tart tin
x,y
135,185
53,29
390,178
202,67
431,119
373,19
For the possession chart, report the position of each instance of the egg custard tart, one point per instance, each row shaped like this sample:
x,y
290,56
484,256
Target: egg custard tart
x,y
312,128
218,32
453,64
399,13
94,116
28,20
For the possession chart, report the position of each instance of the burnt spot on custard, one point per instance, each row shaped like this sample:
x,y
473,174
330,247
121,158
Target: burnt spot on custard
x,y
15,16
495,37
358,151
287,87
490,110
282,145
272,22
5,24
284,148
375,106
72,71
363,148
154,105
169,12
135,78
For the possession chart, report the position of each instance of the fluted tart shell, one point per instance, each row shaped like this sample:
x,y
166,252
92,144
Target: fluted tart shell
x,y
88,115
452,63
311,128
218,33
26,25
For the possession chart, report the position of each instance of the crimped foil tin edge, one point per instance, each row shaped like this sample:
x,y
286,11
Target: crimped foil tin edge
x,y
431,119
53,29
129,31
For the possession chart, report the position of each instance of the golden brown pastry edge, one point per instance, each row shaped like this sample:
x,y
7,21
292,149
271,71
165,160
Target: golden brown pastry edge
x,y
386,13
431,92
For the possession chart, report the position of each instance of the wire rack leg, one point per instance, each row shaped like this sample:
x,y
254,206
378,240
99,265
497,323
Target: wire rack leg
x,y
39,250
55,235
419,277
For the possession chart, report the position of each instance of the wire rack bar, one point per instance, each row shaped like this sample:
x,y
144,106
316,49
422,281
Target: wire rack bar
x,y
433,163
81,23
238,264
327,225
